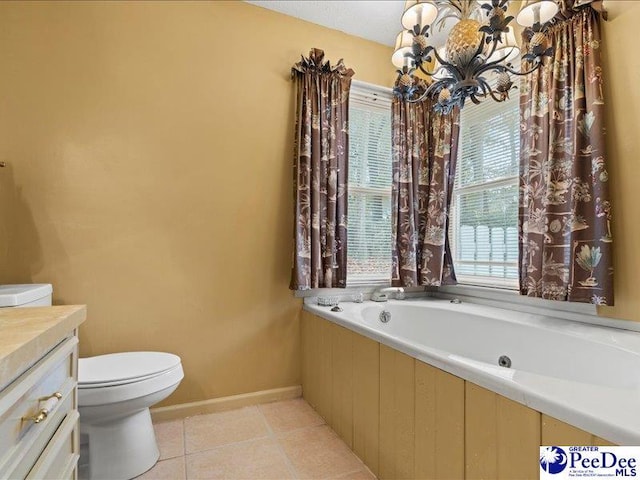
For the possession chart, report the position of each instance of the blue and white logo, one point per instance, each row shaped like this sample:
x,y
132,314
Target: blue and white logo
x,y
553,459
589,461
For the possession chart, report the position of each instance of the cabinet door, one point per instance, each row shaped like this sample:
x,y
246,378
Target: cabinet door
x,y
60,456
21,439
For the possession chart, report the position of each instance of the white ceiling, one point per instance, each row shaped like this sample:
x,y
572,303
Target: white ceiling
x,y
377,20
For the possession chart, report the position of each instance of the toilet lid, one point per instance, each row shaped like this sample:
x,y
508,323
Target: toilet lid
x,y
121,368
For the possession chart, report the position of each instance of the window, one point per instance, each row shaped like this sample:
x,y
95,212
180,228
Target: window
x,y
369,204
484,233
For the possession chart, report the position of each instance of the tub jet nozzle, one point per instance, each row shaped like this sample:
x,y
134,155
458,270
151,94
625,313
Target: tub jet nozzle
x,y
504,361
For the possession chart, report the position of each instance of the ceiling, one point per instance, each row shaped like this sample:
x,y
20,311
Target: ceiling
x,y
378,20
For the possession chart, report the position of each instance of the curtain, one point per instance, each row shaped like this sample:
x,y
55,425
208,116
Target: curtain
x,y
425,145
565,207
320,172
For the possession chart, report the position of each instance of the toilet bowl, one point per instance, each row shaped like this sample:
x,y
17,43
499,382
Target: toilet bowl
x,y
115,392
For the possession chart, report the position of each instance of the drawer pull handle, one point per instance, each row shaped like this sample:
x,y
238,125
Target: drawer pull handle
x,y
49,403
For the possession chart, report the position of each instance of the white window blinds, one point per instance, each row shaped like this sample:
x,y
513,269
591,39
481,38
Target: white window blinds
x,y
484,234
369,207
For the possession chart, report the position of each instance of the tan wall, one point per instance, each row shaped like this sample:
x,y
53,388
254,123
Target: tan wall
x,y
149,150
622,73
128,128
408,420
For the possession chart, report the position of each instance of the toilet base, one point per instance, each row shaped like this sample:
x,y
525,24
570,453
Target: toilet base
x,y
121,448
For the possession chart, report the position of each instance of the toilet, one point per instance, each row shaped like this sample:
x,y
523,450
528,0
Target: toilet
x,y
115,392
25,295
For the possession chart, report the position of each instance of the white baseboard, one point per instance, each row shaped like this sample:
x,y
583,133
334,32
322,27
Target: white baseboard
x,y
183,410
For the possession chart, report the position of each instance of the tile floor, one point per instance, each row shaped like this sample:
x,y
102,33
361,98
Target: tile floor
x,y
281,440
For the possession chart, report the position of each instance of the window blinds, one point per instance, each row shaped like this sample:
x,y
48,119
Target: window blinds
x,y
484,214
369,230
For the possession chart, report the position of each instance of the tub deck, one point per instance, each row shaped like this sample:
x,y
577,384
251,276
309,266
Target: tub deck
x,y
585,375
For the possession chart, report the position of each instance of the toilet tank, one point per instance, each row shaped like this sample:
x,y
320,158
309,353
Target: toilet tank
x,y
27,295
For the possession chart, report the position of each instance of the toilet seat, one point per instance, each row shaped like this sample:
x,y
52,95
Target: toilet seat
x,y
117,369
120,377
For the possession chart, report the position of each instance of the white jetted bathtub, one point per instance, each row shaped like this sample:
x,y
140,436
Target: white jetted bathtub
x,y
585,375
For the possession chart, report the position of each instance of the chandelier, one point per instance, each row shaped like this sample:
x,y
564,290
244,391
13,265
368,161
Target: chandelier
x,y
477,59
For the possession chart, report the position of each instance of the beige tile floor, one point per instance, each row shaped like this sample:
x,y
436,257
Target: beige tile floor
x,y
281,440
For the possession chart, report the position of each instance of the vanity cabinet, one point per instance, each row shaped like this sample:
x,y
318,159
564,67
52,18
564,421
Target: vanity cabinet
x,y
39,436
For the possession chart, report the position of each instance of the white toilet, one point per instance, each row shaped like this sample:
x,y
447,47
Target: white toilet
x,y
115,392
27,295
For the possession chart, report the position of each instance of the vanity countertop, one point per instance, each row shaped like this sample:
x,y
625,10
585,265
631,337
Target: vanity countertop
x,y
26,334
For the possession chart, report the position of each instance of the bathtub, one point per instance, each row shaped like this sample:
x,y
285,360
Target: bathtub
x,y
585,375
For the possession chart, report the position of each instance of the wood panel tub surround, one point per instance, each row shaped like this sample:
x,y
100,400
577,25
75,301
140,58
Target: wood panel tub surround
x,y
397,414
410,420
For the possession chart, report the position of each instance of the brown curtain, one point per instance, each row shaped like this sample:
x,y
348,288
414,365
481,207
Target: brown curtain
x,y
425,147
565,208
320,172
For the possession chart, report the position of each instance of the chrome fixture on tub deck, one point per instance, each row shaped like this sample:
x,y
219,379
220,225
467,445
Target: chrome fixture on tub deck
x,y
382,294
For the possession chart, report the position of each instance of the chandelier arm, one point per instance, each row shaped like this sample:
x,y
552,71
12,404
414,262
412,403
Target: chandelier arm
x,y
494,46
495,64
486,87
420,97
496,98
426,72
424,94
521,74
438,57
481,46
474,99
432,87
441,68
452,69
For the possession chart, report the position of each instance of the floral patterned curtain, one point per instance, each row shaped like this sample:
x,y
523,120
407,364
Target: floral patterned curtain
x,y
320,172
425,147
565,207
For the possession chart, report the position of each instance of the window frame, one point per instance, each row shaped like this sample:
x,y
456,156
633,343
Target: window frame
x,y
487,281
367,93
